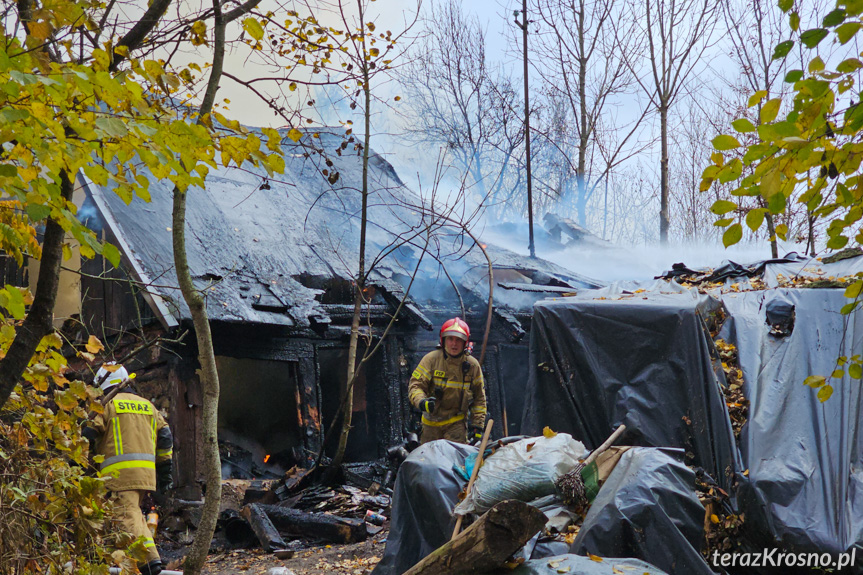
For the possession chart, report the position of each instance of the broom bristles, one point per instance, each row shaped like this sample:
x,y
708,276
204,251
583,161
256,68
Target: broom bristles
x,y
571,487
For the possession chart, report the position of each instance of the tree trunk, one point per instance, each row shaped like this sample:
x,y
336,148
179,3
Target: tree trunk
x,y
584,136
485,545
347,410
531,247
209,440
771,230
663,185
38,322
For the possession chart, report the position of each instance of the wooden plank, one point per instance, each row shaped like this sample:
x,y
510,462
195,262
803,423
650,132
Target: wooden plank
x,y
262,526
308,405
185,424
487,544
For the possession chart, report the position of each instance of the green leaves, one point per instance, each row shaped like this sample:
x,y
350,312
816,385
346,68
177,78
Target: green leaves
x,y
770,110
853,290
112,254
12,298
37,212
743,125
793,76
724,142
720,207
849,65
732,235
755,218
811,38
846,31
781,50
834,18
112,127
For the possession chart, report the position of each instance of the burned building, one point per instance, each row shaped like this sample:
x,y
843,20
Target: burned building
x,y
276,257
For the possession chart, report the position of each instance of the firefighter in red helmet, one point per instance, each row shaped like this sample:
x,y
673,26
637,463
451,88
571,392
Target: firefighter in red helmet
x,y
447,387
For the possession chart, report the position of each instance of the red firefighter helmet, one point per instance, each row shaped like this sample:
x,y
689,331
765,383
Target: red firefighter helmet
x,y
456,327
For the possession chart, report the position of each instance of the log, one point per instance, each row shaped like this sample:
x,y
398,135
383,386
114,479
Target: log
x,y
487,544
319,525
264,529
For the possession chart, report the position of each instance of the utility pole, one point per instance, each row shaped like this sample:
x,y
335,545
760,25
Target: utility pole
x,y
523,25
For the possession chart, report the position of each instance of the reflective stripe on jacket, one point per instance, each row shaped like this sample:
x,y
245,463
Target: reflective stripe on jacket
x,y
459,394
133,437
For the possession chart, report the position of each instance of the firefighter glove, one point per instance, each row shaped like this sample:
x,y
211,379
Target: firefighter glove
x,y
474,435
428,405
164,476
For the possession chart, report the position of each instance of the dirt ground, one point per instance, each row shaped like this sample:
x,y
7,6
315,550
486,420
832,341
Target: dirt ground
x,y
349,559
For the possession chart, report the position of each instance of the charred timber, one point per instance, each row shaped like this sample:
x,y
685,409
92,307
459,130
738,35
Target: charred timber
x,y
534,288
516,331
487,544
341,313
298,523
264,529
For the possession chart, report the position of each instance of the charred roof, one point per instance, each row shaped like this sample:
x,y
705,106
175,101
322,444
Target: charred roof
x,y
282,250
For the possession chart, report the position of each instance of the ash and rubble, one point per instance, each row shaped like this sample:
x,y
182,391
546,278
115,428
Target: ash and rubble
x,y
711,501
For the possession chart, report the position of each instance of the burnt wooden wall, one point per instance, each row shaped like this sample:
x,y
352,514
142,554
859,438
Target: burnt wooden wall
x,y
110,302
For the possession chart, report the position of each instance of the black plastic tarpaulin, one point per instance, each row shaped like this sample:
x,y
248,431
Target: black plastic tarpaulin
x,y
805,457
424,496
648,508
646,360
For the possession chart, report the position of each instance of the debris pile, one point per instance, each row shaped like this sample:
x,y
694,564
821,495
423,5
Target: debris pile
x,y
723,528
738,405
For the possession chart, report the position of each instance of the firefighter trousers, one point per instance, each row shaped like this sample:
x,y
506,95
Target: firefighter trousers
x,y
127,511
456,431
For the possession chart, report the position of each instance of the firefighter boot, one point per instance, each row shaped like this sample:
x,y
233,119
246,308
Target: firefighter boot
x,y
154,567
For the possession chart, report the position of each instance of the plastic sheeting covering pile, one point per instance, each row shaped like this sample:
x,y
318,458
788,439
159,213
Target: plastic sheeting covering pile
x,y
647,509
577,565
640,359
650,511
805,457
643,358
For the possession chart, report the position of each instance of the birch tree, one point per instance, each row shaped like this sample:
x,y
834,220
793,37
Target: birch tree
x,y
678,33
584,66
460,101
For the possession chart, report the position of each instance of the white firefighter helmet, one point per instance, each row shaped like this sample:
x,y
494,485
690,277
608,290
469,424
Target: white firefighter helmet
x,y
108,379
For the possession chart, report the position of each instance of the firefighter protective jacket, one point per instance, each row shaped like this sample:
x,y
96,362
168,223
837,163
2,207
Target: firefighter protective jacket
x,y
459,391
133,437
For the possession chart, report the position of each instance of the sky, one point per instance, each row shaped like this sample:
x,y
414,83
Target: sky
x,y
393,17
415,165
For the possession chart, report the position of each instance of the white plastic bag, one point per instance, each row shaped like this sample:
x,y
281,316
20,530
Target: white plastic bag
x,y
525,470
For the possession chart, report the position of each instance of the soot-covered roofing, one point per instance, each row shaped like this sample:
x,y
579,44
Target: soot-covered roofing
x,y
249,244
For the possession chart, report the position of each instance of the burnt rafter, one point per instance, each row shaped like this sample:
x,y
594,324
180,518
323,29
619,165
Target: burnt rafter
x,y
513,324
393,294
534,288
